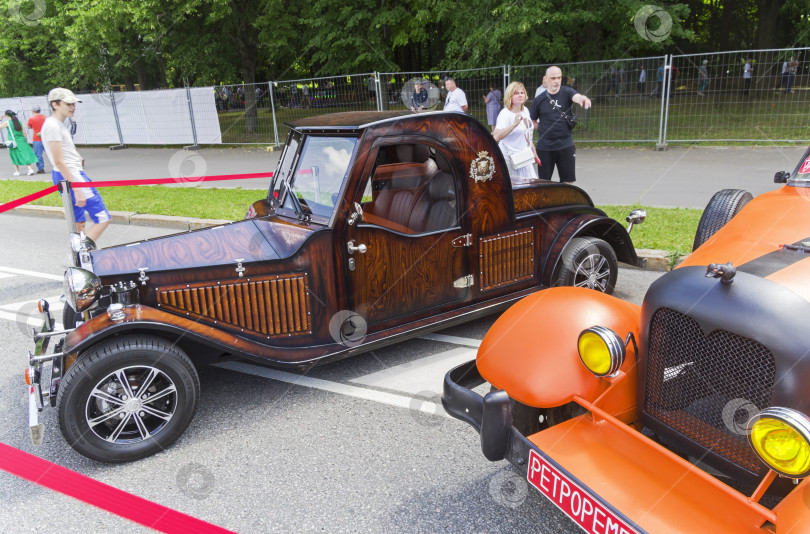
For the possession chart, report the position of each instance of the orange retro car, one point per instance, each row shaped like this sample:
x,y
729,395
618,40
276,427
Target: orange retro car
x,y
687,414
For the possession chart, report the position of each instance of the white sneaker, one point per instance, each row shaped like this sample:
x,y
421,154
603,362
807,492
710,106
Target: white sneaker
x,y
30,172
16,173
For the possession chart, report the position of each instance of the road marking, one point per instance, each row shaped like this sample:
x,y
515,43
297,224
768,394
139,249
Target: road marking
x,y
465,341
399,401
419,376
55,303
35,274
7,275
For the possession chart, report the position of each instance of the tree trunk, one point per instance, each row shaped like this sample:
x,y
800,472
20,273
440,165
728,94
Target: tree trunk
x,y
768,26
246,37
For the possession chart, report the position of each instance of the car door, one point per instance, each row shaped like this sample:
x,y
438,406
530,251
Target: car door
x,y
404,257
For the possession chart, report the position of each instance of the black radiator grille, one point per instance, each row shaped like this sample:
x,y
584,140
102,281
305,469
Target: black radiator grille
x,y
707,386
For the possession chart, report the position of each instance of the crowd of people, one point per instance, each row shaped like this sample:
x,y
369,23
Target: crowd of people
x,y
551,113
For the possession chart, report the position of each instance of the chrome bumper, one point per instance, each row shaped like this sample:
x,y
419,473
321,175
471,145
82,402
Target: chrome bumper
x,y
43,373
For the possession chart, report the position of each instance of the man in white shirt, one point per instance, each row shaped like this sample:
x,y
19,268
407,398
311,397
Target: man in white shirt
x,y
542,88
456,99
67,163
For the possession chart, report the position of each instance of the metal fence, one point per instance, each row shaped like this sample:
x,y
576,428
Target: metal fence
x,y
650,100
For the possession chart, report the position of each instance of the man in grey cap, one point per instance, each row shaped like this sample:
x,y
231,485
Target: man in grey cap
x,y
67,163
35,125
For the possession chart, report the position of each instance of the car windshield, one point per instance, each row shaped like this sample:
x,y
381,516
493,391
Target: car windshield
x,y
323,166
801,173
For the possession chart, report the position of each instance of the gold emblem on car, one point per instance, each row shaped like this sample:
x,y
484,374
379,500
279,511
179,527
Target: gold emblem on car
x,y
483,167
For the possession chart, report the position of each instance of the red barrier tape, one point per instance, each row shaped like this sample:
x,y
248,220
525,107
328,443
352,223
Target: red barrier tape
x,y
104,496
150,181
26,199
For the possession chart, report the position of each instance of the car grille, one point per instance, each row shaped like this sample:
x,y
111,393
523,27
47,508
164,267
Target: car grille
x,y
706,387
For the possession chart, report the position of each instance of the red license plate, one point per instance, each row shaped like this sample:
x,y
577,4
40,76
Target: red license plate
x,y
577,503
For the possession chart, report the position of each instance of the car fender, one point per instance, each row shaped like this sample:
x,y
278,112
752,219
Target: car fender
x,y
531,350
592,225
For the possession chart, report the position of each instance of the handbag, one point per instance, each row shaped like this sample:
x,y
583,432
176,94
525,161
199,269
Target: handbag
x,y
10,142
523,158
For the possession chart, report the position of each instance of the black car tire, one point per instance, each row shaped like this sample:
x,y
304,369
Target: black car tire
x,y
69,317
588,262
135,420
722,207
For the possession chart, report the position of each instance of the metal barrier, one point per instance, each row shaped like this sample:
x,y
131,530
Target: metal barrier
x,y
723,105
659,99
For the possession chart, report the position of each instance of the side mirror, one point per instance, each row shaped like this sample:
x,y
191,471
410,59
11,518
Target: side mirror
x,y
635,217
356,216
781,177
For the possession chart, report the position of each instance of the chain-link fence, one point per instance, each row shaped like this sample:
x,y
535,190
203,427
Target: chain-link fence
x,y
662,99
739,96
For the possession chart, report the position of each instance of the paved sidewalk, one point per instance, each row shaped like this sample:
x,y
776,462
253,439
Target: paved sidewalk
x,y
678,177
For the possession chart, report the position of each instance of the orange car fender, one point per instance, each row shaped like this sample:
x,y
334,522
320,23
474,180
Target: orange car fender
x,y
792,516
531,350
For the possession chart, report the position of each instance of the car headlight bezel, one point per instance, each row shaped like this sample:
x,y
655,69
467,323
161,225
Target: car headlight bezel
x,y
82,288
790,425
601,351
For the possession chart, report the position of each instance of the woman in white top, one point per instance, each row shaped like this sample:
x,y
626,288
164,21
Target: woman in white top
x,y
514,129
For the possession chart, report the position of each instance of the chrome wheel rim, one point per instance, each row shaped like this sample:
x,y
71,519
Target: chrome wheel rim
x,y
131,404
593,272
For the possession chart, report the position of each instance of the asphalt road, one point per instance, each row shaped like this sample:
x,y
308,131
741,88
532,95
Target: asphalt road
x,y
678,177
364,448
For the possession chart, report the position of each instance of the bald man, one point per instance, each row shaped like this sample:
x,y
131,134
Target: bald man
x,y
556,144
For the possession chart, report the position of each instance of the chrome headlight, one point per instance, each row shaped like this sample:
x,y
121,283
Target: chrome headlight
x,y
79,242
82,288
601,350
781,439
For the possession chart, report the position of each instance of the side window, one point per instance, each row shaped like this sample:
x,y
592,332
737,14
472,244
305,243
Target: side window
x,y
411,190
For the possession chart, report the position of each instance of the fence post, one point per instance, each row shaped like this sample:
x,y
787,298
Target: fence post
x,y
662,121
273,110
379,91
196,145
507,76
67,202
117,124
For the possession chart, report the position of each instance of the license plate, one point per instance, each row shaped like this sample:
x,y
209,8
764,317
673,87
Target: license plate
x,y
576,502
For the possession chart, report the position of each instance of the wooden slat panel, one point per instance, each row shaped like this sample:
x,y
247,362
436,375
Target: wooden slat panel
x,y
271,306
506,259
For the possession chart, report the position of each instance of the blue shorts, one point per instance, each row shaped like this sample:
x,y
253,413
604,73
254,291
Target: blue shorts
x,y
94,205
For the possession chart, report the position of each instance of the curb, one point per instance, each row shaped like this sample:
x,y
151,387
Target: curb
x,y
656,260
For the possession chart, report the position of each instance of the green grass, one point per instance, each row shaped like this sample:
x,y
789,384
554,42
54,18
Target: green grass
x,y
671,229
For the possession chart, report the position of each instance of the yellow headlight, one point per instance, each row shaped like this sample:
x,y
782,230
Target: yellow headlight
x,y
601,350
781,438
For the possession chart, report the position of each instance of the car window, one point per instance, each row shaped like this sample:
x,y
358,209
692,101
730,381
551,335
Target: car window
x,y
411,190
323,166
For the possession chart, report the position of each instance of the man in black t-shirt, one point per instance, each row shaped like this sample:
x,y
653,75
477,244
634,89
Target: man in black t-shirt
x,y
556,144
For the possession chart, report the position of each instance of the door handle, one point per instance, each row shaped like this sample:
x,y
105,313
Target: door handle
x,y
361,248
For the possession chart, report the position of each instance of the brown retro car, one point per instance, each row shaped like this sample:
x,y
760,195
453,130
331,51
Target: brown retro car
x,y
377,227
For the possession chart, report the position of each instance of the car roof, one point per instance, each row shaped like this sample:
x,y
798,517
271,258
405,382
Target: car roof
x,y
355,120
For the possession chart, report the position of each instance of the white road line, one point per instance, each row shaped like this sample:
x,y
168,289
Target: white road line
x,y
7,275
381,397
423,377
28,320
55,304
465,341
35,274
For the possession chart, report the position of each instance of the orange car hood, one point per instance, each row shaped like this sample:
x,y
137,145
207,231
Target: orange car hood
x,y
753,240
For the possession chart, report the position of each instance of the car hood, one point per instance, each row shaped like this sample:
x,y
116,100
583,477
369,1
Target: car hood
x,y
265,239
754,240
